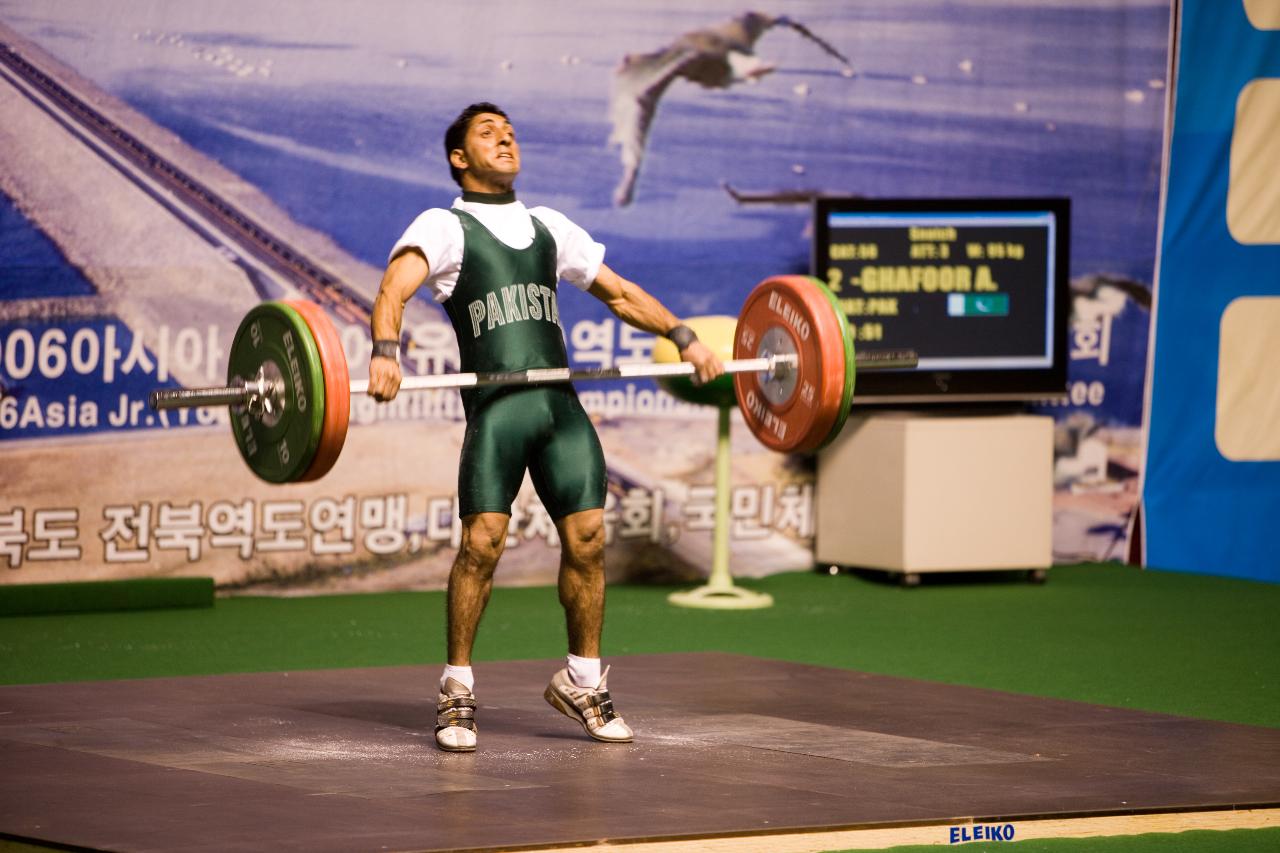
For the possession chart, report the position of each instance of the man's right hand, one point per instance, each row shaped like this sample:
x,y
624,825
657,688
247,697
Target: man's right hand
x,y
705,362
404,275
384,378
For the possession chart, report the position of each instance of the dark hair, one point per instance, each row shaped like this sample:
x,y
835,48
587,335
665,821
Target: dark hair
x,y
457,132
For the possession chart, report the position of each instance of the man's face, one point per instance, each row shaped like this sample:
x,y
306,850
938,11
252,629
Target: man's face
x,y
490,149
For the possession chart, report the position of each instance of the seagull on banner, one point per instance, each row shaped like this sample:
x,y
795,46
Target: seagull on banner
x,y
715,58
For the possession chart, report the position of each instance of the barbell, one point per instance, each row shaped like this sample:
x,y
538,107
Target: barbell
x,y
290,390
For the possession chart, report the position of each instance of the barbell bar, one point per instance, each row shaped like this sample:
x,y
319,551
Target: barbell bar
x,y
249,392
290,390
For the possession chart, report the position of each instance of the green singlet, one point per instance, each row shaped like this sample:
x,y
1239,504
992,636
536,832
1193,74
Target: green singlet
x,y
505,315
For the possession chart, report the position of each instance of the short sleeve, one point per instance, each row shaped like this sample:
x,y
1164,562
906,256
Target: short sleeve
x,y
438,235
578,257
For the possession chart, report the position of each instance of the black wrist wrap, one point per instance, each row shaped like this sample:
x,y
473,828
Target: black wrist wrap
x,y
386,349
681,336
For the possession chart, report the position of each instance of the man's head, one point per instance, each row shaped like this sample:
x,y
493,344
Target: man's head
x,y
481,143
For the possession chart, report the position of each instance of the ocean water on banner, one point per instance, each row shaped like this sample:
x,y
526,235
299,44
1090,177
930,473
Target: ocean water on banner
x,y
33,266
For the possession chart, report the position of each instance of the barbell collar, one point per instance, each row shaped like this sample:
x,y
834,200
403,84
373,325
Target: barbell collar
x,y
178,398
238,394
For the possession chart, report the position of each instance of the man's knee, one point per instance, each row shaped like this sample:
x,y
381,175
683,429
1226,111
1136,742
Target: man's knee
x,y
582,536
484,537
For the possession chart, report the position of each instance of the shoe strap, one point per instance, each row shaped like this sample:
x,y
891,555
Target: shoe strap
x,y
603,705
456,724
456,712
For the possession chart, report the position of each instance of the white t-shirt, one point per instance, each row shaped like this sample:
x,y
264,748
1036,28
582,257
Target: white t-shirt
x,y
437,233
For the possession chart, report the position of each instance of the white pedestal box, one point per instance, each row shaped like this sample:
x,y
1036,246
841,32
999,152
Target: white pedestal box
x,y
911,493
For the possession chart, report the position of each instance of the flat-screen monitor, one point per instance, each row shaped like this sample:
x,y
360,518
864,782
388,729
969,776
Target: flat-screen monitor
x,y
978,288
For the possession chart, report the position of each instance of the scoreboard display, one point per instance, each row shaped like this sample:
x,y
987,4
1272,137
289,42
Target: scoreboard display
x,y
976,287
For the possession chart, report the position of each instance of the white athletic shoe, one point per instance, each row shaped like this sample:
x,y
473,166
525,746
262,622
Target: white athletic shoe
x,y
456,718
591,707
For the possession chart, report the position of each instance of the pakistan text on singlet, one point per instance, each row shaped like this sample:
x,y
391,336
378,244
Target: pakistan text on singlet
x,y
519,302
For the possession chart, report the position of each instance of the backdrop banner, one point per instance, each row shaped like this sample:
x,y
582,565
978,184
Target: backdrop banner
x,y
1211,491
166,166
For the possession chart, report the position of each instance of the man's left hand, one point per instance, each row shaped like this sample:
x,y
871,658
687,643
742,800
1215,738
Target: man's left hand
x,y
706,363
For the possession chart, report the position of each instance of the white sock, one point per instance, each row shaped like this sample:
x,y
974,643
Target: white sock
x,y
460,674
584,672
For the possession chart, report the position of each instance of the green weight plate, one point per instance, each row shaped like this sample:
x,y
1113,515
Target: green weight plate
x,y
278,444
850,363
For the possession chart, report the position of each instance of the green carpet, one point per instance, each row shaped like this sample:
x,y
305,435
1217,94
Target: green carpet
x,y
86,596
1180,644
1173,643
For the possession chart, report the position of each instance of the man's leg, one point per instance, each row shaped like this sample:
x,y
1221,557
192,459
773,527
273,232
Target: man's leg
x,y
582,579
584,698
484,535
569,474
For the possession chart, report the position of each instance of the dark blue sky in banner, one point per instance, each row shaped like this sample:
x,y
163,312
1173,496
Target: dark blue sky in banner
x,y
340,115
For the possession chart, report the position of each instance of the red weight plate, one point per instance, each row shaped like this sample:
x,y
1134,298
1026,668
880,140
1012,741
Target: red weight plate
x,y
785,314
337,388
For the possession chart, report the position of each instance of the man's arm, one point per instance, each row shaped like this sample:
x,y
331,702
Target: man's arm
x,y
403,277
633,305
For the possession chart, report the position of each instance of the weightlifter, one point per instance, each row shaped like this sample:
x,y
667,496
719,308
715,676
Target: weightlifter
x,y
494,265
